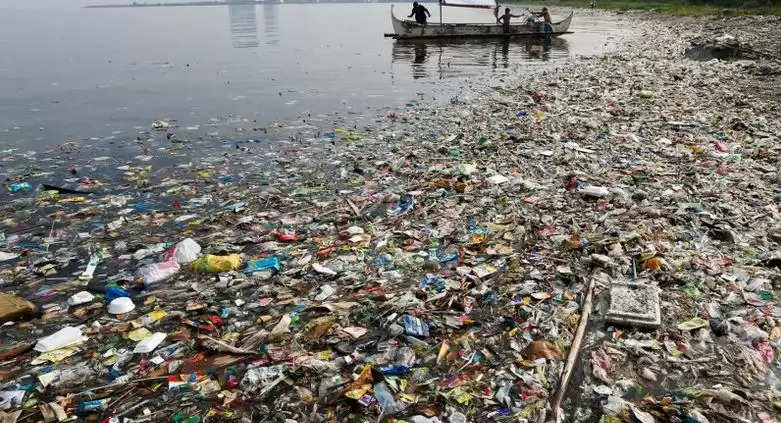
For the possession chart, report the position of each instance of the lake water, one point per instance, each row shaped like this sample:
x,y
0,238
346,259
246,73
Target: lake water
x,y
69,72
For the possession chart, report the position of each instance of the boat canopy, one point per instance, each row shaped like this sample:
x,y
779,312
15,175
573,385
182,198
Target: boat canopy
x,y
483,4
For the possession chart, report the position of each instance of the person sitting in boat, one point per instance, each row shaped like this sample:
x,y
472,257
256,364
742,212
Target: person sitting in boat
x,y
505,20
546,16
420,13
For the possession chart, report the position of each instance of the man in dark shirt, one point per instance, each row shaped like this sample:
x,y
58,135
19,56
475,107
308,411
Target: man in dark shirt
x,y
420,13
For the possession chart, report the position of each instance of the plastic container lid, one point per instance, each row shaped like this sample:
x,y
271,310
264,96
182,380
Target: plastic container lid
x,y
121,305
81,297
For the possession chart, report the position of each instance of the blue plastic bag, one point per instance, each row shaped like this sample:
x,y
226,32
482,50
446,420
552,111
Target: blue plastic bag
x,y
263,264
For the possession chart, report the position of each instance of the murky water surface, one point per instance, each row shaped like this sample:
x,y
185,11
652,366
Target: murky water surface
x,y
73,73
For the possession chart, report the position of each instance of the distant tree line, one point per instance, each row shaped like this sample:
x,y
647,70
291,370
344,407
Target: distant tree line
x,y
674,4
737,3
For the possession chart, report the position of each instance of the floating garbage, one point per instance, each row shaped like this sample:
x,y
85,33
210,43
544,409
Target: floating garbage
x,y
121,305
598,241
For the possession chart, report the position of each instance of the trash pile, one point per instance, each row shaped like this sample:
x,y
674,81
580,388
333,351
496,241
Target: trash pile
x,y
435,265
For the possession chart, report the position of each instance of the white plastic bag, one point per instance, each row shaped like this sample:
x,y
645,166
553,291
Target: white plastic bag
x,y
186,251
158,272
80,297
64,337
149,344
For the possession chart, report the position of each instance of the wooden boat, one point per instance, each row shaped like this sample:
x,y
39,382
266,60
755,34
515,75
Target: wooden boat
x,y
406,29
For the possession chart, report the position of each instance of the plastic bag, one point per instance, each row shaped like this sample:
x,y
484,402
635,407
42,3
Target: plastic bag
x,y
263,264
217,264
158,272
147,345
185,251
64,337
80,297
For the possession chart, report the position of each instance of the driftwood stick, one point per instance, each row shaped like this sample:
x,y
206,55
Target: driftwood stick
x,y
118,385
354,208
574,351
221,346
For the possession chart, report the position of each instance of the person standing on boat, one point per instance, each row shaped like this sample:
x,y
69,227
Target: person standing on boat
x,y
548,25
505,20
420,13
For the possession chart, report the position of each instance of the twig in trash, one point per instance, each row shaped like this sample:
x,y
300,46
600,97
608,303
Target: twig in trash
x,y
573,353
116,385
133,407
299,210
120,398
25,417
354,208
468,362
221,346
51,232
271,385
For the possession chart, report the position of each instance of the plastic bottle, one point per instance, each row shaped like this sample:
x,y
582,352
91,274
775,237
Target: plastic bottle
x,y
395,370
385,398
94,405
594,191
20,187
456,417
72,376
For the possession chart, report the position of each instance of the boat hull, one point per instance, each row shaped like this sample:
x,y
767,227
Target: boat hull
x,y
406,29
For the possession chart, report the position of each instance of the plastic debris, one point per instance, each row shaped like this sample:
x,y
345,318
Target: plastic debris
x,y
81,297
186,251
13,307
121,305
217,264
158,272
64,337
148,344
430,267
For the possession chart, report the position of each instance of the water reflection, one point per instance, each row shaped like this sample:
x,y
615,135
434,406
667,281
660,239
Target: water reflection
x,y
271,23
244,30
460,57
419,61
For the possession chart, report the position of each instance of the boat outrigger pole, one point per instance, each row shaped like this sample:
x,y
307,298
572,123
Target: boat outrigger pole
x,y
480,4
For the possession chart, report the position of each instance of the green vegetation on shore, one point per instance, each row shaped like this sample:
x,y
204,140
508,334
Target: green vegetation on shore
x,y
690,7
